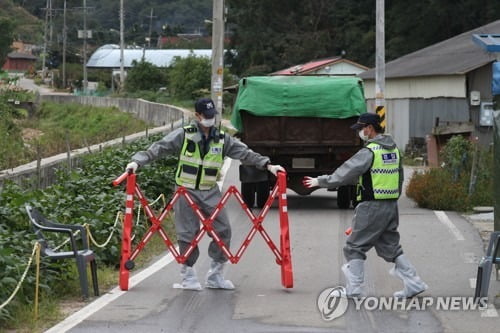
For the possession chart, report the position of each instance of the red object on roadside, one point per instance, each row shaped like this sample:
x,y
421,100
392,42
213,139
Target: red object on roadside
x,y
348,231
283,252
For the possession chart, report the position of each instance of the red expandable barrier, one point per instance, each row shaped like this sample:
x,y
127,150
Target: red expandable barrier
x,y
283,254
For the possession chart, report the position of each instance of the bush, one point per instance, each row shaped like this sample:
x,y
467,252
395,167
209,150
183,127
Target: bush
x,y
145,76
448,187
435,189
83,196
189,75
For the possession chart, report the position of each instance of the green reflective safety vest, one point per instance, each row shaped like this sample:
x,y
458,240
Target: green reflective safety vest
x,y
381,181
195,171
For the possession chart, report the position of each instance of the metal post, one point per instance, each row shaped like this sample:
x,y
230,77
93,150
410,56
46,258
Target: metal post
x,y
216,84
122,46
85,80
496,166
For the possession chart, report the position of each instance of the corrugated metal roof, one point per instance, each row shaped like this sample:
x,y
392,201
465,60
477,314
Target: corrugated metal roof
x,y
455,56
108,56
20,55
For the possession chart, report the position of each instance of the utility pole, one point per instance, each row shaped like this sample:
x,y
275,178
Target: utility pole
x,y
44,54
380,62
65,38
51,23
85,80
122,46
217,54
150,26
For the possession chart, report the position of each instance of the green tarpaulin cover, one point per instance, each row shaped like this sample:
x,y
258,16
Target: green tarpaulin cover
x,y
299,96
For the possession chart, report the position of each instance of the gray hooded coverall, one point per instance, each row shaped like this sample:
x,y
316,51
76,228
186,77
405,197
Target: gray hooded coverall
x,y
187,223
375,222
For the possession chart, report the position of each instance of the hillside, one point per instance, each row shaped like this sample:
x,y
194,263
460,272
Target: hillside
x,y
182,16
28,28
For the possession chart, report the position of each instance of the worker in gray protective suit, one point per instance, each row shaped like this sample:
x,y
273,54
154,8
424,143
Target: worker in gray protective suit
x,y
378,171
201,148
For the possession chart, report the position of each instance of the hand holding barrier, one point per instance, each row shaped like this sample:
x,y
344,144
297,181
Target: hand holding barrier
x,y
283,254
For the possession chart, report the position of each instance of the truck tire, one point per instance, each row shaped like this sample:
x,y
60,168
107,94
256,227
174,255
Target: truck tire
x,y
248,193
343,197
262,189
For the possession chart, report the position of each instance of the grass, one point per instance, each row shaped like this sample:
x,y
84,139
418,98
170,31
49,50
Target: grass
x,y
79,125
57,126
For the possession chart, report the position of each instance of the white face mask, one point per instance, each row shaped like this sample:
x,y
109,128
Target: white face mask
x,y
207,122
362,135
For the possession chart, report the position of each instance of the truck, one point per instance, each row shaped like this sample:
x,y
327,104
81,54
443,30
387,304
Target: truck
x,y
303,124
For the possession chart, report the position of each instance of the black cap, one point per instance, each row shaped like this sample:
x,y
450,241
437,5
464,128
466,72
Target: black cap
x,y
206,107
367,119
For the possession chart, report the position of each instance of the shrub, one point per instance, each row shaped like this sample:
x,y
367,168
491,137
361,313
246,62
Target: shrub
x,y
83,196
434,189
451,186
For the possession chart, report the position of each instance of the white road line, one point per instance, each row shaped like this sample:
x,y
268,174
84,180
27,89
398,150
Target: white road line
x,y
444,219
472,282
104,300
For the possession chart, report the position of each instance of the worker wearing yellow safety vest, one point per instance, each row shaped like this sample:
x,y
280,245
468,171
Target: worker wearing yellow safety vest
x,y
377,170
201,148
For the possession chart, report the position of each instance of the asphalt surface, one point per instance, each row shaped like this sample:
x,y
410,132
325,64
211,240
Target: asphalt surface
x,y
444,247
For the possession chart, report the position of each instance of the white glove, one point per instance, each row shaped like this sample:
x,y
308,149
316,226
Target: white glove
x,y
310,182
132,166
275,168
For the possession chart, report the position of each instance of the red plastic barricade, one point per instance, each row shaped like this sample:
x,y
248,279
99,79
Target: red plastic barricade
x,y
283,254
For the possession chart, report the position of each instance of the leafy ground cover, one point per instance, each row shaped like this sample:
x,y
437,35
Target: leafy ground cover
x,y
84,195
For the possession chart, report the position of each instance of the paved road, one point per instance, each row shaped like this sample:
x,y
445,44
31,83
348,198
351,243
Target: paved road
x,y
444,247
29,84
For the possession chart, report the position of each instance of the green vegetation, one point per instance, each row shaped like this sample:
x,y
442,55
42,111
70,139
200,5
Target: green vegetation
x,y
6,38
449,187
82,196
52,127
27,27
188,76
145,76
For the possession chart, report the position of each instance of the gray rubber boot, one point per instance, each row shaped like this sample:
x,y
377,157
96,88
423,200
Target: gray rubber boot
x,y
215,277
412,283
189,279
354,272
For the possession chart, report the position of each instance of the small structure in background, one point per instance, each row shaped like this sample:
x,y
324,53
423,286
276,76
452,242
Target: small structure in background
x,y
21,59
327,66
441,133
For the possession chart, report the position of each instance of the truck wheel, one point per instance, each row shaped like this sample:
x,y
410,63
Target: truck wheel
x,y
343,197
248,193
262,193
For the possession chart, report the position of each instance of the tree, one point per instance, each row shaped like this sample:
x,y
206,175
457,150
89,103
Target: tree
x,y
145,76
187,76
6,38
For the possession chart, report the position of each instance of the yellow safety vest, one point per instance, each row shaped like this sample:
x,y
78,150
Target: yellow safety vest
x,y
195,171
381,181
